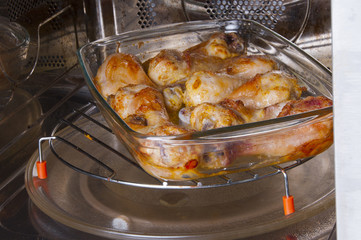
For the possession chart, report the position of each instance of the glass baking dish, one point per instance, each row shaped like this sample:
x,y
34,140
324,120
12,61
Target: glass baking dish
x,y
235,148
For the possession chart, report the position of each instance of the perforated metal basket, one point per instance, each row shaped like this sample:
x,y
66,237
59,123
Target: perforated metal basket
x,y
284,16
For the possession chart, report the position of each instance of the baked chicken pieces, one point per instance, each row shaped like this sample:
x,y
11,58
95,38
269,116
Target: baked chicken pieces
x,y
139,106
207,116
267,89
172,66
247,67
211,85
220,45
142,108
119,70
306,140
168,67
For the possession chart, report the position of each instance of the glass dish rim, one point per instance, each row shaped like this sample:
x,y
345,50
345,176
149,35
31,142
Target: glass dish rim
x,y
174,28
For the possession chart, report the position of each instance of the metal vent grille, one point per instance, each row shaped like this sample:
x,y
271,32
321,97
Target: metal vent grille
x,y
19,8
146,13
265,12
53,7
49,61
52,61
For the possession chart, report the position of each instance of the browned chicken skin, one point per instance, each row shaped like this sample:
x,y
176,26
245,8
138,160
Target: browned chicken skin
x,y
248,115
247,67
142,108
168,67
213,87
208,87
210,55
298,142
304,105
119,70
171,66
207,116
267,89
139,106
221,45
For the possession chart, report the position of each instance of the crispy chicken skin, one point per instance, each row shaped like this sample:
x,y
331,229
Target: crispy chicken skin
x,y
267,89
304,105
142,108
281,109
167,129
210,55
248,115
208,87
299,142
119,70
207,116
221,45
139,106
168,67
171,157
213,87
247,67
171,66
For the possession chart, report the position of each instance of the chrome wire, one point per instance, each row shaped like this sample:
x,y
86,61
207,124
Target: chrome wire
x,y
217,181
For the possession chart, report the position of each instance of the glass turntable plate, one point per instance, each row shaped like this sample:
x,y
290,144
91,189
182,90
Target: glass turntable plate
x,y
115,210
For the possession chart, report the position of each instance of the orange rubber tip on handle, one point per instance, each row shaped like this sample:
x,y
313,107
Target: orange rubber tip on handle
x,y
288,205
41,168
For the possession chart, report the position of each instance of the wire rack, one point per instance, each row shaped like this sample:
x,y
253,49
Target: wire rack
x,y
88,112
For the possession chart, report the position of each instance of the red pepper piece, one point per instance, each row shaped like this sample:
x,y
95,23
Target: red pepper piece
x,y
191,164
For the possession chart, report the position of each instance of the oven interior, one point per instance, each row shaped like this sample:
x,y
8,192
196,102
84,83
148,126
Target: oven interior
x,y
51,98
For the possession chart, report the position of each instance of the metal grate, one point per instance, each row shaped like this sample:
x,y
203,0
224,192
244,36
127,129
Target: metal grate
x,y
146,13
50,61
265,12
53,7
19,8
111,172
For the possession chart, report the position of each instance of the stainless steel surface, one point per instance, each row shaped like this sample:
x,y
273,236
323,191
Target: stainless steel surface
x,y
316,38
307,23
285,17
18,126
139,14
52,88
56,84
111,17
